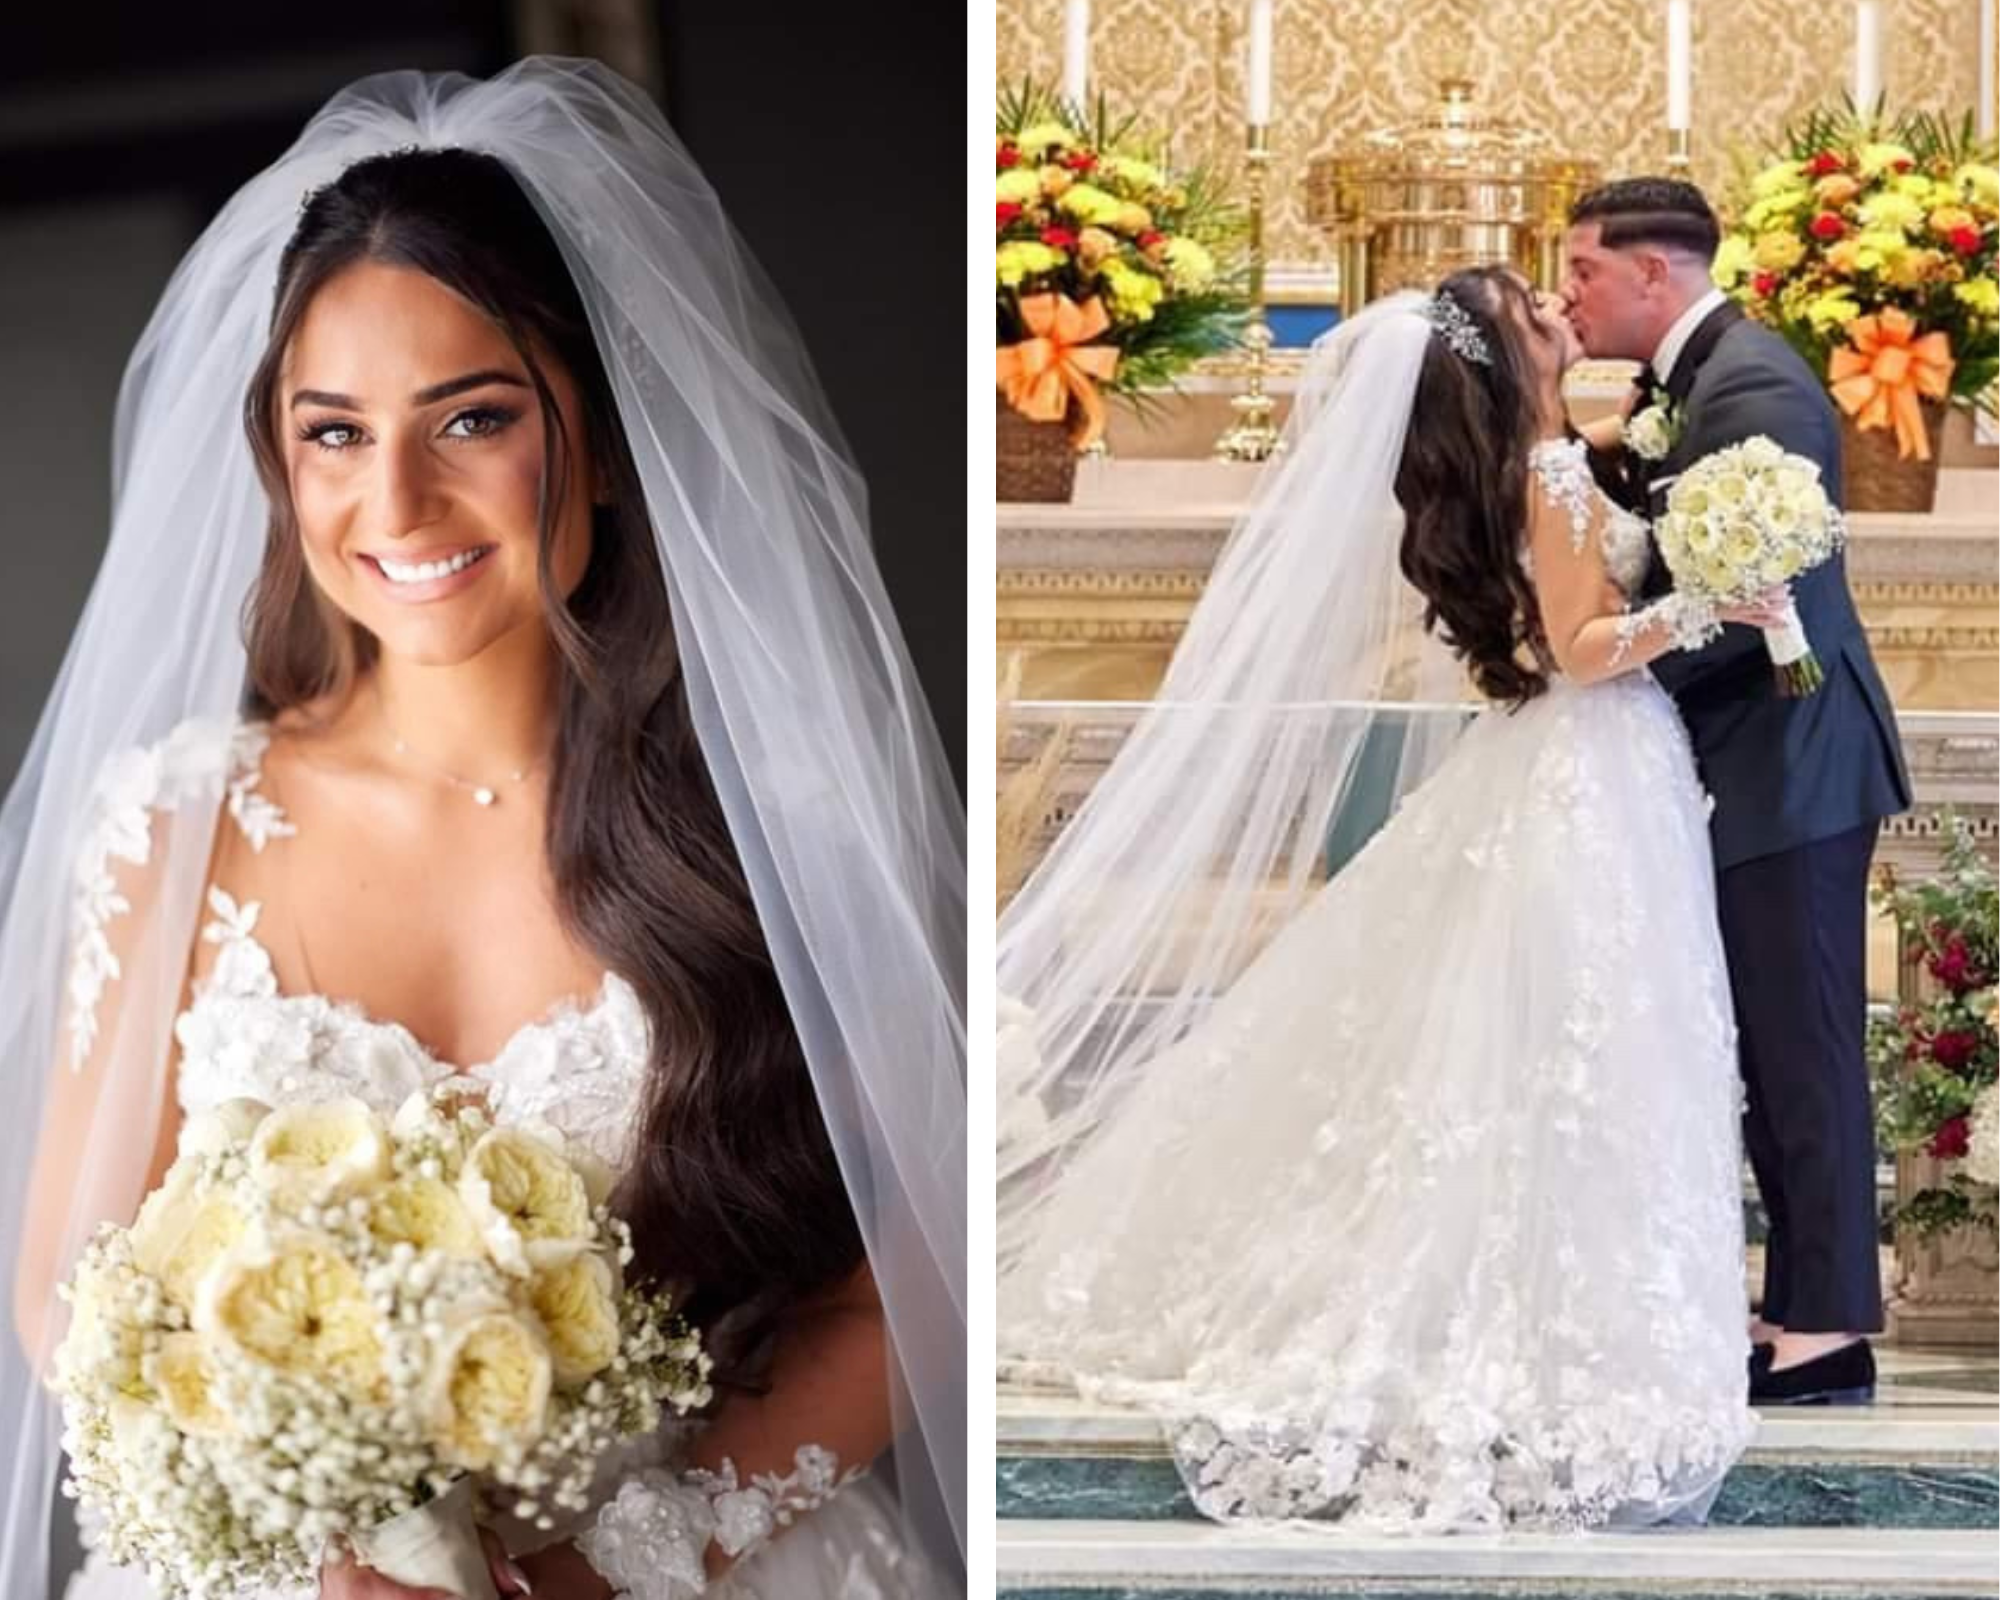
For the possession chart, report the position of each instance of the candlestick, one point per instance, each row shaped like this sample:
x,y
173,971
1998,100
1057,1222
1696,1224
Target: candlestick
x,y
1987,63
1257,111
1867,56
1253,436
1680,65
1076,52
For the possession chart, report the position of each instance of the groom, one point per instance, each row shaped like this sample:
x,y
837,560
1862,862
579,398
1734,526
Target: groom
x,y
1800,785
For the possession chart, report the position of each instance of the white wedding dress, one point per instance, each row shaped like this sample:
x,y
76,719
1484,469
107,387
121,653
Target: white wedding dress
x,y
1433,1222
580,1067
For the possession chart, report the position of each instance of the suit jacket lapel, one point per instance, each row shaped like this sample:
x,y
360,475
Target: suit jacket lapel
x,y
1708,332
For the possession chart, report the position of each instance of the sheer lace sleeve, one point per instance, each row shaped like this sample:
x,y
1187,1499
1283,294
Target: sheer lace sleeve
x,y
1591,630
107,1125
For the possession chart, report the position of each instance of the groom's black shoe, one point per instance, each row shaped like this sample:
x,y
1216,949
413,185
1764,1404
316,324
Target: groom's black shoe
x,y
1843,1377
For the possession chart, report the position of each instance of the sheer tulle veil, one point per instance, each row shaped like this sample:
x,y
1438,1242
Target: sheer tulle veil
x,y
1304,698
830,773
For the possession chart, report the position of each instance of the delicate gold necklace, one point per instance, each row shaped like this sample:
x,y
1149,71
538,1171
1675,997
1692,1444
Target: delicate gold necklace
x,y
482,793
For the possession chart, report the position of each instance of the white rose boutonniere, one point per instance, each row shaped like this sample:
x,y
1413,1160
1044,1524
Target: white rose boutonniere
x,y
1650,433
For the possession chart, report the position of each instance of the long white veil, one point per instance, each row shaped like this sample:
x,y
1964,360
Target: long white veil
x,y
830,773
1304,699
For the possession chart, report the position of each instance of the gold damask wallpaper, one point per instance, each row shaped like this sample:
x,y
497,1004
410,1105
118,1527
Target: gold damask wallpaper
x,y
1590,72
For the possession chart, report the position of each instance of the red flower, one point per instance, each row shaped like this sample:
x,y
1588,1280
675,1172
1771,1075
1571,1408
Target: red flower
x,y
1827,226
1149,238
1004,212
1953,1048
1009,156
1766,284
1965,241
1080,160
1823,163
1059,238
1953,967
1901,166
1950,1141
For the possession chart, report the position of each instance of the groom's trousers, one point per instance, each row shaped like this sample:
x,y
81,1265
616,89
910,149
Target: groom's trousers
x,y
1794,927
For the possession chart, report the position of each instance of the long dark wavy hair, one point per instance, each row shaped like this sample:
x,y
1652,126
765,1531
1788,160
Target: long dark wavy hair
x,y
734,1194
1463,487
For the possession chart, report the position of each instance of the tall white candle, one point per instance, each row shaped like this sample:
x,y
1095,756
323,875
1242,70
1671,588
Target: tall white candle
x,y
1680,65
1257,111
1867,54
1987,8
1076,51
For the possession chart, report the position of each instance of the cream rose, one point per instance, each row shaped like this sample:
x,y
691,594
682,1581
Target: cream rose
x,y
321,1152
489,1390
426,1213
180,1372
295,1304
527,1199
578,1304
232,1123
213,1226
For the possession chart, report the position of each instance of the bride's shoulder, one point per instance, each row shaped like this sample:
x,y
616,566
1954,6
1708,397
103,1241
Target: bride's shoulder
x,y
216,759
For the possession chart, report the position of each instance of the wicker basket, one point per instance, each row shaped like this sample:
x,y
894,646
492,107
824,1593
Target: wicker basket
x,y
1876,478
1032,460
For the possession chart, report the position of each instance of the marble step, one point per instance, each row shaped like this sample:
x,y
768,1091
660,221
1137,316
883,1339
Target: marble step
x,y
1154,1561
1926,1456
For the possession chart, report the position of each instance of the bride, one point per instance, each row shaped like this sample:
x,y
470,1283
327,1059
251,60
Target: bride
x,y
1420,1212
565,757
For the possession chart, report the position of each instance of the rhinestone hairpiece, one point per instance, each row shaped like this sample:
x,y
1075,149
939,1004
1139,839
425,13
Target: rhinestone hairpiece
x,y
1460,332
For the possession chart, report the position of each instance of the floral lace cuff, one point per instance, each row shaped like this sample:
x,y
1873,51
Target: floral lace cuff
x,y
651,1541
1689,621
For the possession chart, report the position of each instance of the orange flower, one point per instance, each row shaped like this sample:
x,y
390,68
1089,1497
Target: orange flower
x,y
1057,363
1878,380
1836,189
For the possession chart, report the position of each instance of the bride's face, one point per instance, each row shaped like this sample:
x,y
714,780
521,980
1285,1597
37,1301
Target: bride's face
x,y
1550,343
413,445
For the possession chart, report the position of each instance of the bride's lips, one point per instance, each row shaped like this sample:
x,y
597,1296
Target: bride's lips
x,y
427,589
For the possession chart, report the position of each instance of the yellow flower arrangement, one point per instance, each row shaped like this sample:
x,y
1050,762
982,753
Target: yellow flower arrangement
x,y
1851,220
1088,214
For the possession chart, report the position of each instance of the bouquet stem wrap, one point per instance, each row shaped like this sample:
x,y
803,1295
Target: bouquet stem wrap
x,y
1799,671
436,1546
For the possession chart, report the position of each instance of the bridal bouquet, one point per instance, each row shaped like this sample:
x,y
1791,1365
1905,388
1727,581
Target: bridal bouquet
x,y
322,1327
1746,519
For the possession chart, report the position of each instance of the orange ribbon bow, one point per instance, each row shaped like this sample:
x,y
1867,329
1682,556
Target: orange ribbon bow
x,y
1045,371
1879,380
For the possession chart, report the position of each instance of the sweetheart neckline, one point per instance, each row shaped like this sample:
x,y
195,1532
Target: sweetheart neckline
x,y
236,926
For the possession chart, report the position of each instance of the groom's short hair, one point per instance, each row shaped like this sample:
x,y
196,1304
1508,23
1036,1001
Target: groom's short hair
x,y
1656,211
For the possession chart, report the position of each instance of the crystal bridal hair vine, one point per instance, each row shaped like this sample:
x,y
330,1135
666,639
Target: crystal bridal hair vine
x,y
1461,333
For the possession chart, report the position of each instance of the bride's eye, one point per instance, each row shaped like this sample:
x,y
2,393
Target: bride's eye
x,y
482,422
323,434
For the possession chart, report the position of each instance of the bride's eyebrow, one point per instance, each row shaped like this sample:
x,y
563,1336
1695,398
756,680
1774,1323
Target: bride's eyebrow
x,y
423,397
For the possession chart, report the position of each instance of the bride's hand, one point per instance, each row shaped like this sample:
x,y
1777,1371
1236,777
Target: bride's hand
x,y
1770,609
344,1578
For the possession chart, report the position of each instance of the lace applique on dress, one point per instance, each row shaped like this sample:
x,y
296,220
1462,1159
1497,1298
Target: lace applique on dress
x,y
196,758
650,1540
1563,471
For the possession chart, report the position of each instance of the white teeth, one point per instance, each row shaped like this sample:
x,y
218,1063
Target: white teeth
x,y
426,571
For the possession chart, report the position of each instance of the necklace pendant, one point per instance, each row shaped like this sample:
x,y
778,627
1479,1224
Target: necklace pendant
x,y
484,796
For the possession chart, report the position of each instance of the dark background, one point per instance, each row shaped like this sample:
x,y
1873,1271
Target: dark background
x,y
836,148
835,145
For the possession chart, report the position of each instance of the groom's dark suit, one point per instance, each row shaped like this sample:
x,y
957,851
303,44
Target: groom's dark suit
x,y
1799,786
